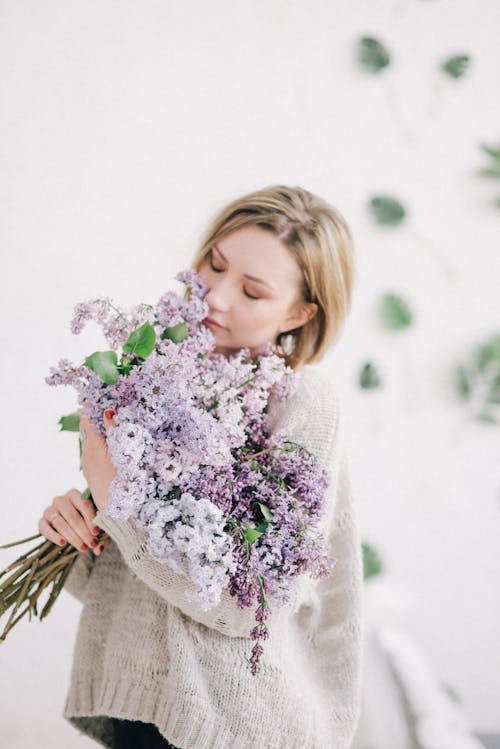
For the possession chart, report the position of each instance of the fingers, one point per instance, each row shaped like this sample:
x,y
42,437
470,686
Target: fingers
x,y
45,528
73,523
87,510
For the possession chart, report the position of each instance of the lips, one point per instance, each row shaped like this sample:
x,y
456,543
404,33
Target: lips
x,y
211,321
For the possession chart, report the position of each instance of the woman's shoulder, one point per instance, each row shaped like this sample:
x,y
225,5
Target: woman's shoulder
x,y
315,392
317,382
310,413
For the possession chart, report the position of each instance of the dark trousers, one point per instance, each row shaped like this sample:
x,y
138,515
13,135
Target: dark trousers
x,y
134,734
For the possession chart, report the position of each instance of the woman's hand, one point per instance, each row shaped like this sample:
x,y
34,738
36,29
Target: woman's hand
x,y
74,522
97,466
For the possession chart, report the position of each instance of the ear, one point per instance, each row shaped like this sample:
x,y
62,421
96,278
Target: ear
x,y
301,313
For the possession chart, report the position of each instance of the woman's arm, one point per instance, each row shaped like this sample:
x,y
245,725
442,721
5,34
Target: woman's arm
x,y
77,580
309,417
132,541
336,617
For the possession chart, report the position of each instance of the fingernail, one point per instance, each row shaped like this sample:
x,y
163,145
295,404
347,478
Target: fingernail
x,y
101,547
63,541
96,530
94,542
109,413
84,547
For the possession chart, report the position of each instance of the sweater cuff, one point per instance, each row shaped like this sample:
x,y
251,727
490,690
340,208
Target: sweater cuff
x,y
126,533
132,542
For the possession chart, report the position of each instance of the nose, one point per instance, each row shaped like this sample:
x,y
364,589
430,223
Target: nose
x,y
217,296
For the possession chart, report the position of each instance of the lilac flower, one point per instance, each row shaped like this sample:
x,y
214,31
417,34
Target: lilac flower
x,y
168,311
188,535
223,501
194,281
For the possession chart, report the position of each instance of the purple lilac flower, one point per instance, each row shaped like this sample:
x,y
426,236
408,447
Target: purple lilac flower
x,y
196,465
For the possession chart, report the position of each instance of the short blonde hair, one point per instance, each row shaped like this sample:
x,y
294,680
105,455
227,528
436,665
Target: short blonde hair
x,y
319,238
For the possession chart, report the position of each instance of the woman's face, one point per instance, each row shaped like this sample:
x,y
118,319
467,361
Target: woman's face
x,y
254,285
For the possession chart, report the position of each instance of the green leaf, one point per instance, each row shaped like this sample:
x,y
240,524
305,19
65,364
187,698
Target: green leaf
x,y
124,369
493,151
70,422
493,172
369,377
86,494
387,211
494,398
141,341
486,417
395,312
261,527
462,381
252,533
372,564
104,364
176,333
478,380
488,352
268,515
456,66
372,54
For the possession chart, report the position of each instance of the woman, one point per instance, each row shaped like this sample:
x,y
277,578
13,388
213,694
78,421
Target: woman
x,y
152,668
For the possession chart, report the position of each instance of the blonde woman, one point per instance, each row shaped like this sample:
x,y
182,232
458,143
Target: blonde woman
x,y
150,669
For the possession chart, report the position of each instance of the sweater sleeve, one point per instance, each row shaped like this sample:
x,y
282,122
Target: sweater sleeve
x,y
336,608
77,580
299,417
132,542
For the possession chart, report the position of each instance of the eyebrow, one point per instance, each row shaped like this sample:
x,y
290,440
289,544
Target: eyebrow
x,y
252,278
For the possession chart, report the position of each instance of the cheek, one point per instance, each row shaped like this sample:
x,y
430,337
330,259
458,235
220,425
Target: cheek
x,y
259,319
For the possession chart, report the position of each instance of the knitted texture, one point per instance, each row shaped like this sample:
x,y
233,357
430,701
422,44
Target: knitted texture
x,y
143,651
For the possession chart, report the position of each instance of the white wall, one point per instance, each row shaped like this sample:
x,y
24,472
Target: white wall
x,y
124,127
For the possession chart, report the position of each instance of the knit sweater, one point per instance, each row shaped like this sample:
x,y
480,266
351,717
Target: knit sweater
x,y
143,651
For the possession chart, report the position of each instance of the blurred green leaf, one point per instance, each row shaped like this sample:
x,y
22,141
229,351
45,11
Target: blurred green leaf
x,y
372,54
176,333
369,377
488,353
486,417
462,381
493,151
387,211
70,422
456,66
395,312
104,364
493,172
477,382
372,564
141,342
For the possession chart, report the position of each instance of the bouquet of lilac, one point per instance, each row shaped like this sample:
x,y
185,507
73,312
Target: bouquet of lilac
x,y
223,501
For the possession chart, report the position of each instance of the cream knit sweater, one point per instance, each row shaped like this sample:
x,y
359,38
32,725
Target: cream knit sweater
x,y
144,652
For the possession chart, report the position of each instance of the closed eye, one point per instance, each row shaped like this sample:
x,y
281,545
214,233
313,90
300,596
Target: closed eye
x,y
250,296
220,270
217,270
